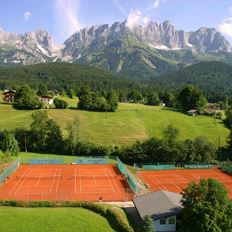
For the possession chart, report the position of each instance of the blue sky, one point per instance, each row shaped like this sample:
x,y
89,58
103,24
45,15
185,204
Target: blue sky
x,y
61,18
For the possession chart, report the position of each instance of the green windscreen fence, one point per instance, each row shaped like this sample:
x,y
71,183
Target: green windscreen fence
x,y
45,161
128,175
158,166
197,166
93,160
121,166
8,171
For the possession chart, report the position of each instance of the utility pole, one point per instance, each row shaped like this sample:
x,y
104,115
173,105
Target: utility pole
x,y
25,142
219,148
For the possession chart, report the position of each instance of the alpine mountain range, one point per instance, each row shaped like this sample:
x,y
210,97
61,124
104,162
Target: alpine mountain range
x,y
138,51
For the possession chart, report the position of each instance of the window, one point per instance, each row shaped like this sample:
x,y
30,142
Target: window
x,y
163,221
171,221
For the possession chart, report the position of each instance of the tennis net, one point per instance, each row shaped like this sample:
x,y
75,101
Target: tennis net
x,y
93,177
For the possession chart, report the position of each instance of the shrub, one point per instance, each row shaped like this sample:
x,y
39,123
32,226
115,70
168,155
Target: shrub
x,y
60,103
227,167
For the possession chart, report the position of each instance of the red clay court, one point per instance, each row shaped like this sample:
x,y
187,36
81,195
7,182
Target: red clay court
x,y
176,180
67,182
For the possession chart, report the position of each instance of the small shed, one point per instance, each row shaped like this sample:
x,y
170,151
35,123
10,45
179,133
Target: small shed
x,y
47,99
163,207
192,112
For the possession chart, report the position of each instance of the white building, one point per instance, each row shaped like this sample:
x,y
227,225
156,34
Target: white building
x,y
162,206
47,99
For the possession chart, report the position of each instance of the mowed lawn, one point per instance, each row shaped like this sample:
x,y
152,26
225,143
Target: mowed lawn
x,y
51,219
131,122
67,159
25,156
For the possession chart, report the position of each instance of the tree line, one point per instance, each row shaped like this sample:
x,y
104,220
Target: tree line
x,y
190,97
214,78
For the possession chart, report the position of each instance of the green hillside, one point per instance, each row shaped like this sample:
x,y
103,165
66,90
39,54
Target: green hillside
x,y
214,78
63,76
129,123
130,57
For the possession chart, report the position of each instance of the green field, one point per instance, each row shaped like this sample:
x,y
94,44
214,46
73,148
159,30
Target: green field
x,y
24,156
51,219
131,122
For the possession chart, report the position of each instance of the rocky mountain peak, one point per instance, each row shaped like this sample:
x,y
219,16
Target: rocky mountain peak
x,y
89,45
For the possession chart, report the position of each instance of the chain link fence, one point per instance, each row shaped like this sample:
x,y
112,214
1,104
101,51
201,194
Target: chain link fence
x,y
8,171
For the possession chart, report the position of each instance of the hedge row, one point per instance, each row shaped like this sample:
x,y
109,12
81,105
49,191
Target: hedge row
x,y
113,217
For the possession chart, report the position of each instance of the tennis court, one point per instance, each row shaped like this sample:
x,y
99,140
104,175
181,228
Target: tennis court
x,y
67,182
176,180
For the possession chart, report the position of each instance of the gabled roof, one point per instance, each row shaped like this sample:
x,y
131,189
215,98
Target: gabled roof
x,y
8,91
47,97
192,111
158,204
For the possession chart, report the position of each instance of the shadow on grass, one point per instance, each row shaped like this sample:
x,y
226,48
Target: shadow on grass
x,y
133,217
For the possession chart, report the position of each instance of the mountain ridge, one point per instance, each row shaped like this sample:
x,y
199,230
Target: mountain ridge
x,y
138,52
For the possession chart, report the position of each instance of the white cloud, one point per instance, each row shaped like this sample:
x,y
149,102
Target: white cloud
x,y
156,4
27,16
141,18
226,25
136,18
66,16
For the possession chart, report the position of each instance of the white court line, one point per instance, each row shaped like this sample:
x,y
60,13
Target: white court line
x,y
79,172
100,192
58,180
196,176
112,187
114,181
95,179
182,178
75,181
37,183
53,180
24,178
19,181
159,185
171,182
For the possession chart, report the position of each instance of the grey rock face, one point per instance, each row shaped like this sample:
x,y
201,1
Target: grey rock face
x,y
97,45
163,36
32,47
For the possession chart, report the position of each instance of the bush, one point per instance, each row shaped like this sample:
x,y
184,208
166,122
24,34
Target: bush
x,y
25,98
114,218
8,143
147,225
60,103
227,167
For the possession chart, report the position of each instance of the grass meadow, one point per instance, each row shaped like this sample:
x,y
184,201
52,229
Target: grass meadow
x,y
51,219
129,123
